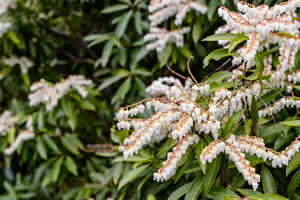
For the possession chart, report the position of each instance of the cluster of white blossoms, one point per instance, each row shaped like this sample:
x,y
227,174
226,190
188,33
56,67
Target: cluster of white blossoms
x,y
4,5
50,94
285,102
264,26
23,62
235,146
25,135
7,121
177,113
162,10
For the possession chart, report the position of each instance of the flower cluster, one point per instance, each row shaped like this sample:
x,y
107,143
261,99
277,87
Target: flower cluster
x,y
4,5
23,62
235,146
50,94
161,11
7,121
25,135
177,113
264,26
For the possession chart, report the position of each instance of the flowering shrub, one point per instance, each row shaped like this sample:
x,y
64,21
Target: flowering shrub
x,y
68,66
186,114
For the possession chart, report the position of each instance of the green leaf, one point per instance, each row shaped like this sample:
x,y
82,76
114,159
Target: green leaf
x,y
122,91
293,164
69,146
199,148
267,197
141,71
259,61
268,181
291,123
211,174
111,80
51,144
123,24
217,54
87,105
219,76
56,169
246,192
197,29
247,126
221,36
114,8
71,165
195,189
8,187
269,133
106,52
220,193
165,55
137,22
96,39
212,7
295,181
231,122
41,148
131,176
235,41
254,112
179,192
186,52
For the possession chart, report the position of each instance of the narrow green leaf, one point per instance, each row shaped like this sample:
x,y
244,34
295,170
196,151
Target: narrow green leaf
x,y
235,41
254,112
211,174
219,76
111,80
294,183
51,144
114,8
69,146
197,29
247,126
195,189
41,148
217,54
123,24
8,187
106,52
131,176
259,65
291,123
293,164
179,192
71,165
122,91
56,169
267,197
212,7
199,148
231,122
165,55
137,22
221,36
268,181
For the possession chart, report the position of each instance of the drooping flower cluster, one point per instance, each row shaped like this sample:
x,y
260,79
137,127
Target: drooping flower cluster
x,y
264,26
25,135
234,146
7,121
23,62
161,11
4,5
178,115
50,94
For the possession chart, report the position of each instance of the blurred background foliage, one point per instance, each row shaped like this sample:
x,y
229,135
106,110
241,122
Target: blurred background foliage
x,y
103,40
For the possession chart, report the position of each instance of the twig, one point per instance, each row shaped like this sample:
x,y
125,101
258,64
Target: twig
x,y
190,72
171,70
